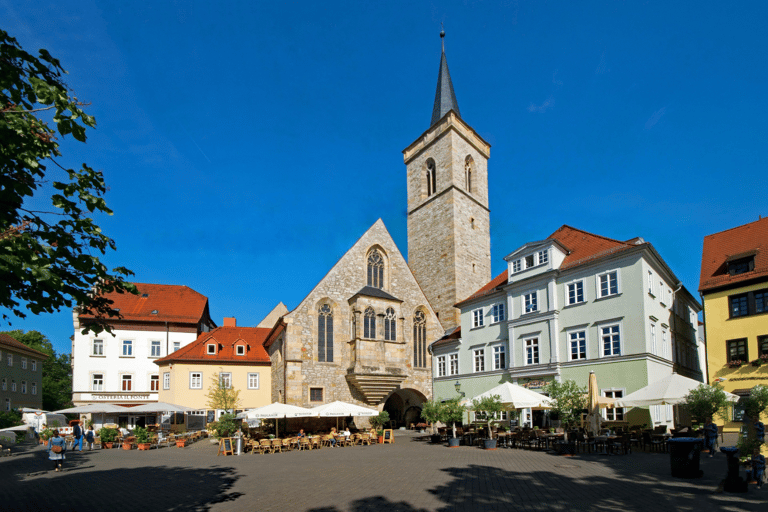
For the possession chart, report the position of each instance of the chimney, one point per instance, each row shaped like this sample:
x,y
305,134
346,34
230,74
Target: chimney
x,y
230,322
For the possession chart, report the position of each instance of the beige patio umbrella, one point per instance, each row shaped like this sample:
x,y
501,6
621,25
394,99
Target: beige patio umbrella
x,y
594,419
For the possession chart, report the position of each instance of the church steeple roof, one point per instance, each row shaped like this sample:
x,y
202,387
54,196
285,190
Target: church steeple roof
x,y
445,99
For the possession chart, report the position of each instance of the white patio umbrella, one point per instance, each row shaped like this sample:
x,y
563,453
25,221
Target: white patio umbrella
x,y
670,390
517,397
342,409
95,409
159,407
276,410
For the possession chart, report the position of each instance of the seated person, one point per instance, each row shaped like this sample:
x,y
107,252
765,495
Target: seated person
x,y
333,437
301,433
758,467
346,433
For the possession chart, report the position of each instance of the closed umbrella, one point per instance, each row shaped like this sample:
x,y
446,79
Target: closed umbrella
x,y
594,419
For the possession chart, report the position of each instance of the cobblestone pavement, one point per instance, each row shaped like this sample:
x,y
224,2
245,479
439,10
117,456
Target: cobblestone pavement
x,y
409,475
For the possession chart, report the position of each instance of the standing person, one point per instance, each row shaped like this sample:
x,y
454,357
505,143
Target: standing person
x,y
77,433
710,436
89,437
758,466
56,454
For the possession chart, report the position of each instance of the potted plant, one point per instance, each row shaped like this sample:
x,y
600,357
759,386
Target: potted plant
x,y
452,412
431,412
45,435
108,436
142,438
568,402
379,422
491,408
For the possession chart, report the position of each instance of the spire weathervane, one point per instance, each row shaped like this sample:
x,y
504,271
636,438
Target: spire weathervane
x,y
442,36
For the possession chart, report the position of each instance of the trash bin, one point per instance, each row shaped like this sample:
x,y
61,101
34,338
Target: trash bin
x,y
684,456
238,445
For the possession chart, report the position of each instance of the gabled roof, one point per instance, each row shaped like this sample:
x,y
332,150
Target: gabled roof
x,y
445,99
370,291
225,338
7,341
494,285
742,241
159,303
450,337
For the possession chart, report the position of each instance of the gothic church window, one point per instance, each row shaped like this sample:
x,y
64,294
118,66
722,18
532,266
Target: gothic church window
x,y
419,340
375,269
369,324
390,330
431,178
468,174
325,334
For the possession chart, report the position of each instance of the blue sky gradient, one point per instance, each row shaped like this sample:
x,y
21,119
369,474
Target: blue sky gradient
x,y
248,145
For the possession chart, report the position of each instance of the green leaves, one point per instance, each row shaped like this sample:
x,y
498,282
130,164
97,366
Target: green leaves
x,y
46,255
568,400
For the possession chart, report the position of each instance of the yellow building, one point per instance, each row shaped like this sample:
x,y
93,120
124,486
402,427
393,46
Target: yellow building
x,y
734,288
236,355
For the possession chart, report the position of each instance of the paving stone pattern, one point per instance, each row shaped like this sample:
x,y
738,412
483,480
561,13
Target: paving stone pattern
x,y
409,475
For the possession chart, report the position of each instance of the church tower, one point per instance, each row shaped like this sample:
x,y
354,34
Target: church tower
x,y
449,238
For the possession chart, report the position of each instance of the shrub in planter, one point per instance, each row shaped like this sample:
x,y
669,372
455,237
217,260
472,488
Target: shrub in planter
x,y
452,412
431,412
108,436
142,438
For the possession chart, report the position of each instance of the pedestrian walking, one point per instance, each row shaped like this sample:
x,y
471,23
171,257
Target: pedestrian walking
x,y
89,437
57,447
77,433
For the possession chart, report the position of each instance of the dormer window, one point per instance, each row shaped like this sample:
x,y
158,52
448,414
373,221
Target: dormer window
x,y
529,261
543,257
741,265
240,350
517,266
211,349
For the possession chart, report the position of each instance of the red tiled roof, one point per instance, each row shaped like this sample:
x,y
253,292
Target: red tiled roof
x,y
744,240
8,341
582,247
226,338
172,303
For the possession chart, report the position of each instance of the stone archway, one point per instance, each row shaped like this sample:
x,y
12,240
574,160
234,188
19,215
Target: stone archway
x,y
404,407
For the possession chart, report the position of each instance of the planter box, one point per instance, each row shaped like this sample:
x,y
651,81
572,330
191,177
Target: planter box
x,y
127,446
108,445
144,446
489,444
181,444
435,438
453,442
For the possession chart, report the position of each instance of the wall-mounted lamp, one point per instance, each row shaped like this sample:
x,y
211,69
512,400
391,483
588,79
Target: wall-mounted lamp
x,y
458,389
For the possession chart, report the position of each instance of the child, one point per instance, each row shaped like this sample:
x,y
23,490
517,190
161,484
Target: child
x,y
89,437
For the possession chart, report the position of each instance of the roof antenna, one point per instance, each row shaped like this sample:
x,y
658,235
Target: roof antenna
x,y
442,36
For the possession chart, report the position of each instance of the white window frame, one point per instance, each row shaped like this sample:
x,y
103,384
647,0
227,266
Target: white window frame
x,y
602,341
526,300
176,345
498,313
570,340
534,350
575,284
155,344
13,386
23,387
253,384
195,380
240,350
612,414
477,318
654,345
210,349
599,287
650,283
442,367
166,380
127,344
23,363
34,388
34,365
94,386
453,369
97,344
499,353
517,266
225,378
543,257
664,346
10,359
478,360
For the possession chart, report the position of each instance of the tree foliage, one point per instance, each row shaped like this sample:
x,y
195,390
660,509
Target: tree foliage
x,y
756,402
453,412
706,402
222,397
568,401
379,421
491,406
431,412
47,245
56,384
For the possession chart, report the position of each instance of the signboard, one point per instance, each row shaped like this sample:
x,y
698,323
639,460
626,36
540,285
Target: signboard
x,y
389,436
125,397
225,446
535,384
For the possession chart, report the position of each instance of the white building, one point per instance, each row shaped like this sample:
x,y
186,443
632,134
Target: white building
x,y
119,368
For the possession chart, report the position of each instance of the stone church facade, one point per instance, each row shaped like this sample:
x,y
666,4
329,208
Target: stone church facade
x,y
362,334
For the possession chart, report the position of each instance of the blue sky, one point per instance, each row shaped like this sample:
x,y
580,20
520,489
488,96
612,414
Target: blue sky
x,y
247,145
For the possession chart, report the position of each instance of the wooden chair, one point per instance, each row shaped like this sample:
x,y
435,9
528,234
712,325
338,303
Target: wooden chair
x,y
286,445
326,440
304,444
316,442
265,446
365,439
277,445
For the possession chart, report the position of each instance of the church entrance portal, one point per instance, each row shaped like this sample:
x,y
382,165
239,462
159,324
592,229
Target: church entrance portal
x,y
404,407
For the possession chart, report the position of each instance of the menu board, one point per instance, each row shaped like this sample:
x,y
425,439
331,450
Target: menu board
x,y
389,436
225,446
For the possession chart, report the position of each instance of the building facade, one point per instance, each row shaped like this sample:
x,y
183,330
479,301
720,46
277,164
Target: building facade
x,y
119,368
449,241
21,375
567,305
233,355
360,336
734,289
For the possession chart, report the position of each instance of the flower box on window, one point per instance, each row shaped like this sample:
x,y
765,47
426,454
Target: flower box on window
x,y
736,363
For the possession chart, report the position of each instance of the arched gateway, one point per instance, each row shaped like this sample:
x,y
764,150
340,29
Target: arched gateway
x,y
404,406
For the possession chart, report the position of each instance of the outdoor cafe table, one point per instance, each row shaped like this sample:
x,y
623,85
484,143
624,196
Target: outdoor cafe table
x,y
550,439
605,440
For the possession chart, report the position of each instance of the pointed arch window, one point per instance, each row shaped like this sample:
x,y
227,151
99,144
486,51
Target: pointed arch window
x,y
369,324
325,334
390,329
419,340
375,269
431,177
468,163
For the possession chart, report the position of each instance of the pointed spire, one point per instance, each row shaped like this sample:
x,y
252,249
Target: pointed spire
x,y
445,99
